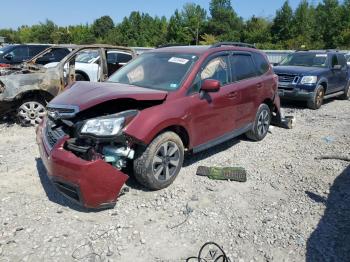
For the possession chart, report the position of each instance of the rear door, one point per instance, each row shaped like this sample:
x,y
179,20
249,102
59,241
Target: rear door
x,y
343,72
247,86
333,79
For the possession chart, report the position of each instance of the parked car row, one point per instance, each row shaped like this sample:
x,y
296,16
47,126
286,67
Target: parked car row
x,y
147,113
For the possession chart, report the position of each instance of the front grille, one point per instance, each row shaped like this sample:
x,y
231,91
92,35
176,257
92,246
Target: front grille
x,y
61,111
287,81
68,190
286,78
53,134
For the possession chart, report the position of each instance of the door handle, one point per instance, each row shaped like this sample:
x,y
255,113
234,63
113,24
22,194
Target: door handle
x,y
259,85
232,95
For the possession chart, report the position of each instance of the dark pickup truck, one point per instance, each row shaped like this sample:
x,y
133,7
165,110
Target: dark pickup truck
x,y
313,76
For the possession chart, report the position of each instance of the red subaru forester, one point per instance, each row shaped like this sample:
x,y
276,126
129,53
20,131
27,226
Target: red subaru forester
x,y
149,113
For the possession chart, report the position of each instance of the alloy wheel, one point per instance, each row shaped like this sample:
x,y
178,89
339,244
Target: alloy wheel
x,y
319,98
166,161
263,122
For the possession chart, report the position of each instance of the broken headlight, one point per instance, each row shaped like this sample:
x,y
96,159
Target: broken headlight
x,y
104,126
107,126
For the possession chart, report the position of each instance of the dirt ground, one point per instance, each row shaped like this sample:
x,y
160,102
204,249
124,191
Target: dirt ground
x,y
292,208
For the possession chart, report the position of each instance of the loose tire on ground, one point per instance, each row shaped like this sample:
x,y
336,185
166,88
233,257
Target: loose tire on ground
x,y
317,100
157,166
261,124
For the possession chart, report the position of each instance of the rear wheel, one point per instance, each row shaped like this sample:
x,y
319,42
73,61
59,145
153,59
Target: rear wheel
x,y
261,125
346,94
31,112
158,165
317,100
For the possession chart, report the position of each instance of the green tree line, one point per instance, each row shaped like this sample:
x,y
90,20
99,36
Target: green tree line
x,y
325,25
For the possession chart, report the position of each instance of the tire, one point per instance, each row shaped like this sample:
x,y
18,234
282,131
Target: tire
x,y
30,112
346,95
261,124
317,100
151,164
80,77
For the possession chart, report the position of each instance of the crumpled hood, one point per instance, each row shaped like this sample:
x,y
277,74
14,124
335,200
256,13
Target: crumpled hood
x,y
299,70
86,94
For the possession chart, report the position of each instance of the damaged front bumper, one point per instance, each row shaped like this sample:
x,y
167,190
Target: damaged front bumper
x,y
92,184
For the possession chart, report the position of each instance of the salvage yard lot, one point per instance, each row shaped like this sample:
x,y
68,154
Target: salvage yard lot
x,y
291,208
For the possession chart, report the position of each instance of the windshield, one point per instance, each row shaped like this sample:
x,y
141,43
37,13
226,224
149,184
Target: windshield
x,y
5,49
164,71
87,57
305,59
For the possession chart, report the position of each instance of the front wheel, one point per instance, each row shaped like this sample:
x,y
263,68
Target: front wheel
x,y
31,112
317,100
157,166
261,124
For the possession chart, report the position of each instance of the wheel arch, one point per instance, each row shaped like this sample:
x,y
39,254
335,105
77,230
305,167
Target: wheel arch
x,y
180,131
84,74
39,94
323,82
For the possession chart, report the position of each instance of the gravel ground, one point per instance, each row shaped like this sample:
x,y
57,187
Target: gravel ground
x,y
293,207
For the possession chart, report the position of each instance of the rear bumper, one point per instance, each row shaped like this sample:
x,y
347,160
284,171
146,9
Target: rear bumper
x,y
295,94
91,184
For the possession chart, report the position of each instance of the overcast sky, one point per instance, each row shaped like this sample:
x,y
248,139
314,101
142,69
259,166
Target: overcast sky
x,y
70,12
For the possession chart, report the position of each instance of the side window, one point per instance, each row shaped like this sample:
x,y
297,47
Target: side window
x,y
261,63
342,60
112,58
242,67
334,60
124,58
216,69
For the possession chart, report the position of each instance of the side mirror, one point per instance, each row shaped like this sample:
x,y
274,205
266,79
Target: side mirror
x,y
210,85
337,67
8,57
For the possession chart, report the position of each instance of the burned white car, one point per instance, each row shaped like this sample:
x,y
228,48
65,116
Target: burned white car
x,y
26,89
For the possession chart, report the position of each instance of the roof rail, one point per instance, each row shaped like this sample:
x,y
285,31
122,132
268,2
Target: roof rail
x,y
169,45
233,44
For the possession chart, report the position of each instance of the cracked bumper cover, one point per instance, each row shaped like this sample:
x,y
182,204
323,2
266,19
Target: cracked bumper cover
x,y
93,184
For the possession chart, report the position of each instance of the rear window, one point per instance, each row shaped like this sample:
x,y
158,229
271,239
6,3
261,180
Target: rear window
x,y
261,63
242,67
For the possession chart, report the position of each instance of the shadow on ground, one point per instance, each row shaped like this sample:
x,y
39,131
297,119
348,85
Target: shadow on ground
x,y
52,193
295,104
331,239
